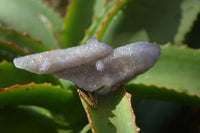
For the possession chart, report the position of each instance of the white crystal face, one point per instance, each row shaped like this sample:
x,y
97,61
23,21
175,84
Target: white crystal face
x,y
94,66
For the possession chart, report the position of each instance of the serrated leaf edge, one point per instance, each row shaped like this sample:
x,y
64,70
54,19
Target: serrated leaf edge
x,y
27,85
118,6
25,34
105,18
167,89
15,47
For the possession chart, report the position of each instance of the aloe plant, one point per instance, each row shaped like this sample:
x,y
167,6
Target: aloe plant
x,y
42,103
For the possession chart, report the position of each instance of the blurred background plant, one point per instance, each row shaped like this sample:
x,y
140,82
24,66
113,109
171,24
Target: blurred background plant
x,y
165,99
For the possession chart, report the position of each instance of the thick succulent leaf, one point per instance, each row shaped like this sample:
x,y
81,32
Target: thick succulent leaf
x,y
190,9
22,15
23,41
35,94
86,129
178,69
147,20
192,38
113,113
77,20
8,51
12,48
55,34
99,7
103,19
25,120
10,75
63,103
141,91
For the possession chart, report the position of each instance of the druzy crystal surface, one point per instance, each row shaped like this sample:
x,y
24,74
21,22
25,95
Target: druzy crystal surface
x,y
94,66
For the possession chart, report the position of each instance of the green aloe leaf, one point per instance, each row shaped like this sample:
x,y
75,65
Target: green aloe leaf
x,y
141,91
63,103
159,21
23,41
12,48
178,69
10,75
86,129
35,94
22,15
192,38
113,113
54,33
103,19
8,51
25,120
77,20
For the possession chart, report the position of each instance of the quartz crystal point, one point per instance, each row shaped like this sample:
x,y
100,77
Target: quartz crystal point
x,y
94,66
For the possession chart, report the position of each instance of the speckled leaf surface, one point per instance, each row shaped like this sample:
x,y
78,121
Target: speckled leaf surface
x,y
22,15
113,113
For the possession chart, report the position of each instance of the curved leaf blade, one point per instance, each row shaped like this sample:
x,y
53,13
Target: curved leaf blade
x,y
192,38
8,51
77,20
189,13
63,103
141,91
12,48
10,75
35,94
23,119
154,21
178,68
102,21
23,18
113,113
23,41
